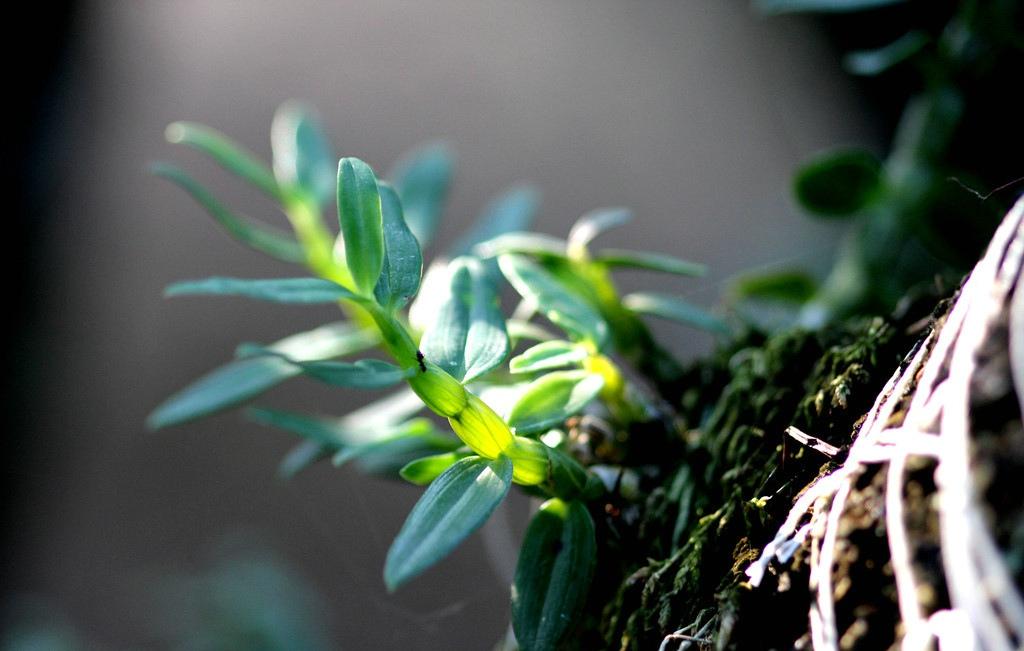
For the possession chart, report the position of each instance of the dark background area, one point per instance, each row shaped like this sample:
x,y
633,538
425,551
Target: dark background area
x,y
693,114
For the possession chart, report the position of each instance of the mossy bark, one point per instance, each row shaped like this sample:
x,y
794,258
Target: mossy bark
x,y
703,494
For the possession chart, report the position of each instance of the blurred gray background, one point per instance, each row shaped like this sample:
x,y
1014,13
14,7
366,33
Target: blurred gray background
x,y
691,113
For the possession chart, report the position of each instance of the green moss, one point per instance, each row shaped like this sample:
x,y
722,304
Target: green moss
x,y
714,488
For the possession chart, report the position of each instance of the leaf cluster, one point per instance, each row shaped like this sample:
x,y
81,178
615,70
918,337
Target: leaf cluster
x,y
506,386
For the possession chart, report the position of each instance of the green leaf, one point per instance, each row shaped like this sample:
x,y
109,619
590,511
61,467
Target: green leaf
x,y
276,290
467,337
820,6
548,355
675,309
241,380
875,62
422,179
327,433
593,224
366,424
227,153
403,263
382,450
512,211
359,213
536,244
838,183
301,457
509,212
413,437
275,243
364,374
519,330
783,286
650,260
453,507
563,308
552,398
424,470
555,567
303,156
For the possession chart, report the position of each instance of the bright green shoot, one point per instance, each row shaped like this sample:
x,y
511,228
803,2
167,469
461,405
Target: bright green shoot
x,y
445,337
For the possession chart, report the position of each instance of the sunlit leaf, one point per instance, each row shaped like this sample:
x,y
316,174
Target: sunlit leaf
x,y
467,337
838,183
303,156
674,309
555,567
519,330
364,374
359,213
364,425
593,224
547,355
424,470
552,398
275,243
416,436
422,179
276,290
327,433
229,154
241,380
536,244
453,507
403,262
649,260
553,300
512,211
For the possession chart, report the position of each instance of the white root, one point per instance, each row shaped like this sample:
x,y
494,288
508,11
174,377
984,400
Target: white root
x,y
934,390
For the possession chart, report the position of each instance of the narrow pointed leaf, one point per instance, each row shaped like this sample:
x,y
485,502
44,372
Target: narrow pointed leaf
x,y
547,355
361,426
675,309
364,374
424,470
552,398
877,61
823,6
300,457
553,574
563,308
415,436
422,179
651,261
535,244
303,156
359,213
512,211
241,380
252,233
226,152
519,330
328,433
467,337
275,290
452,508
593,224
403,263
